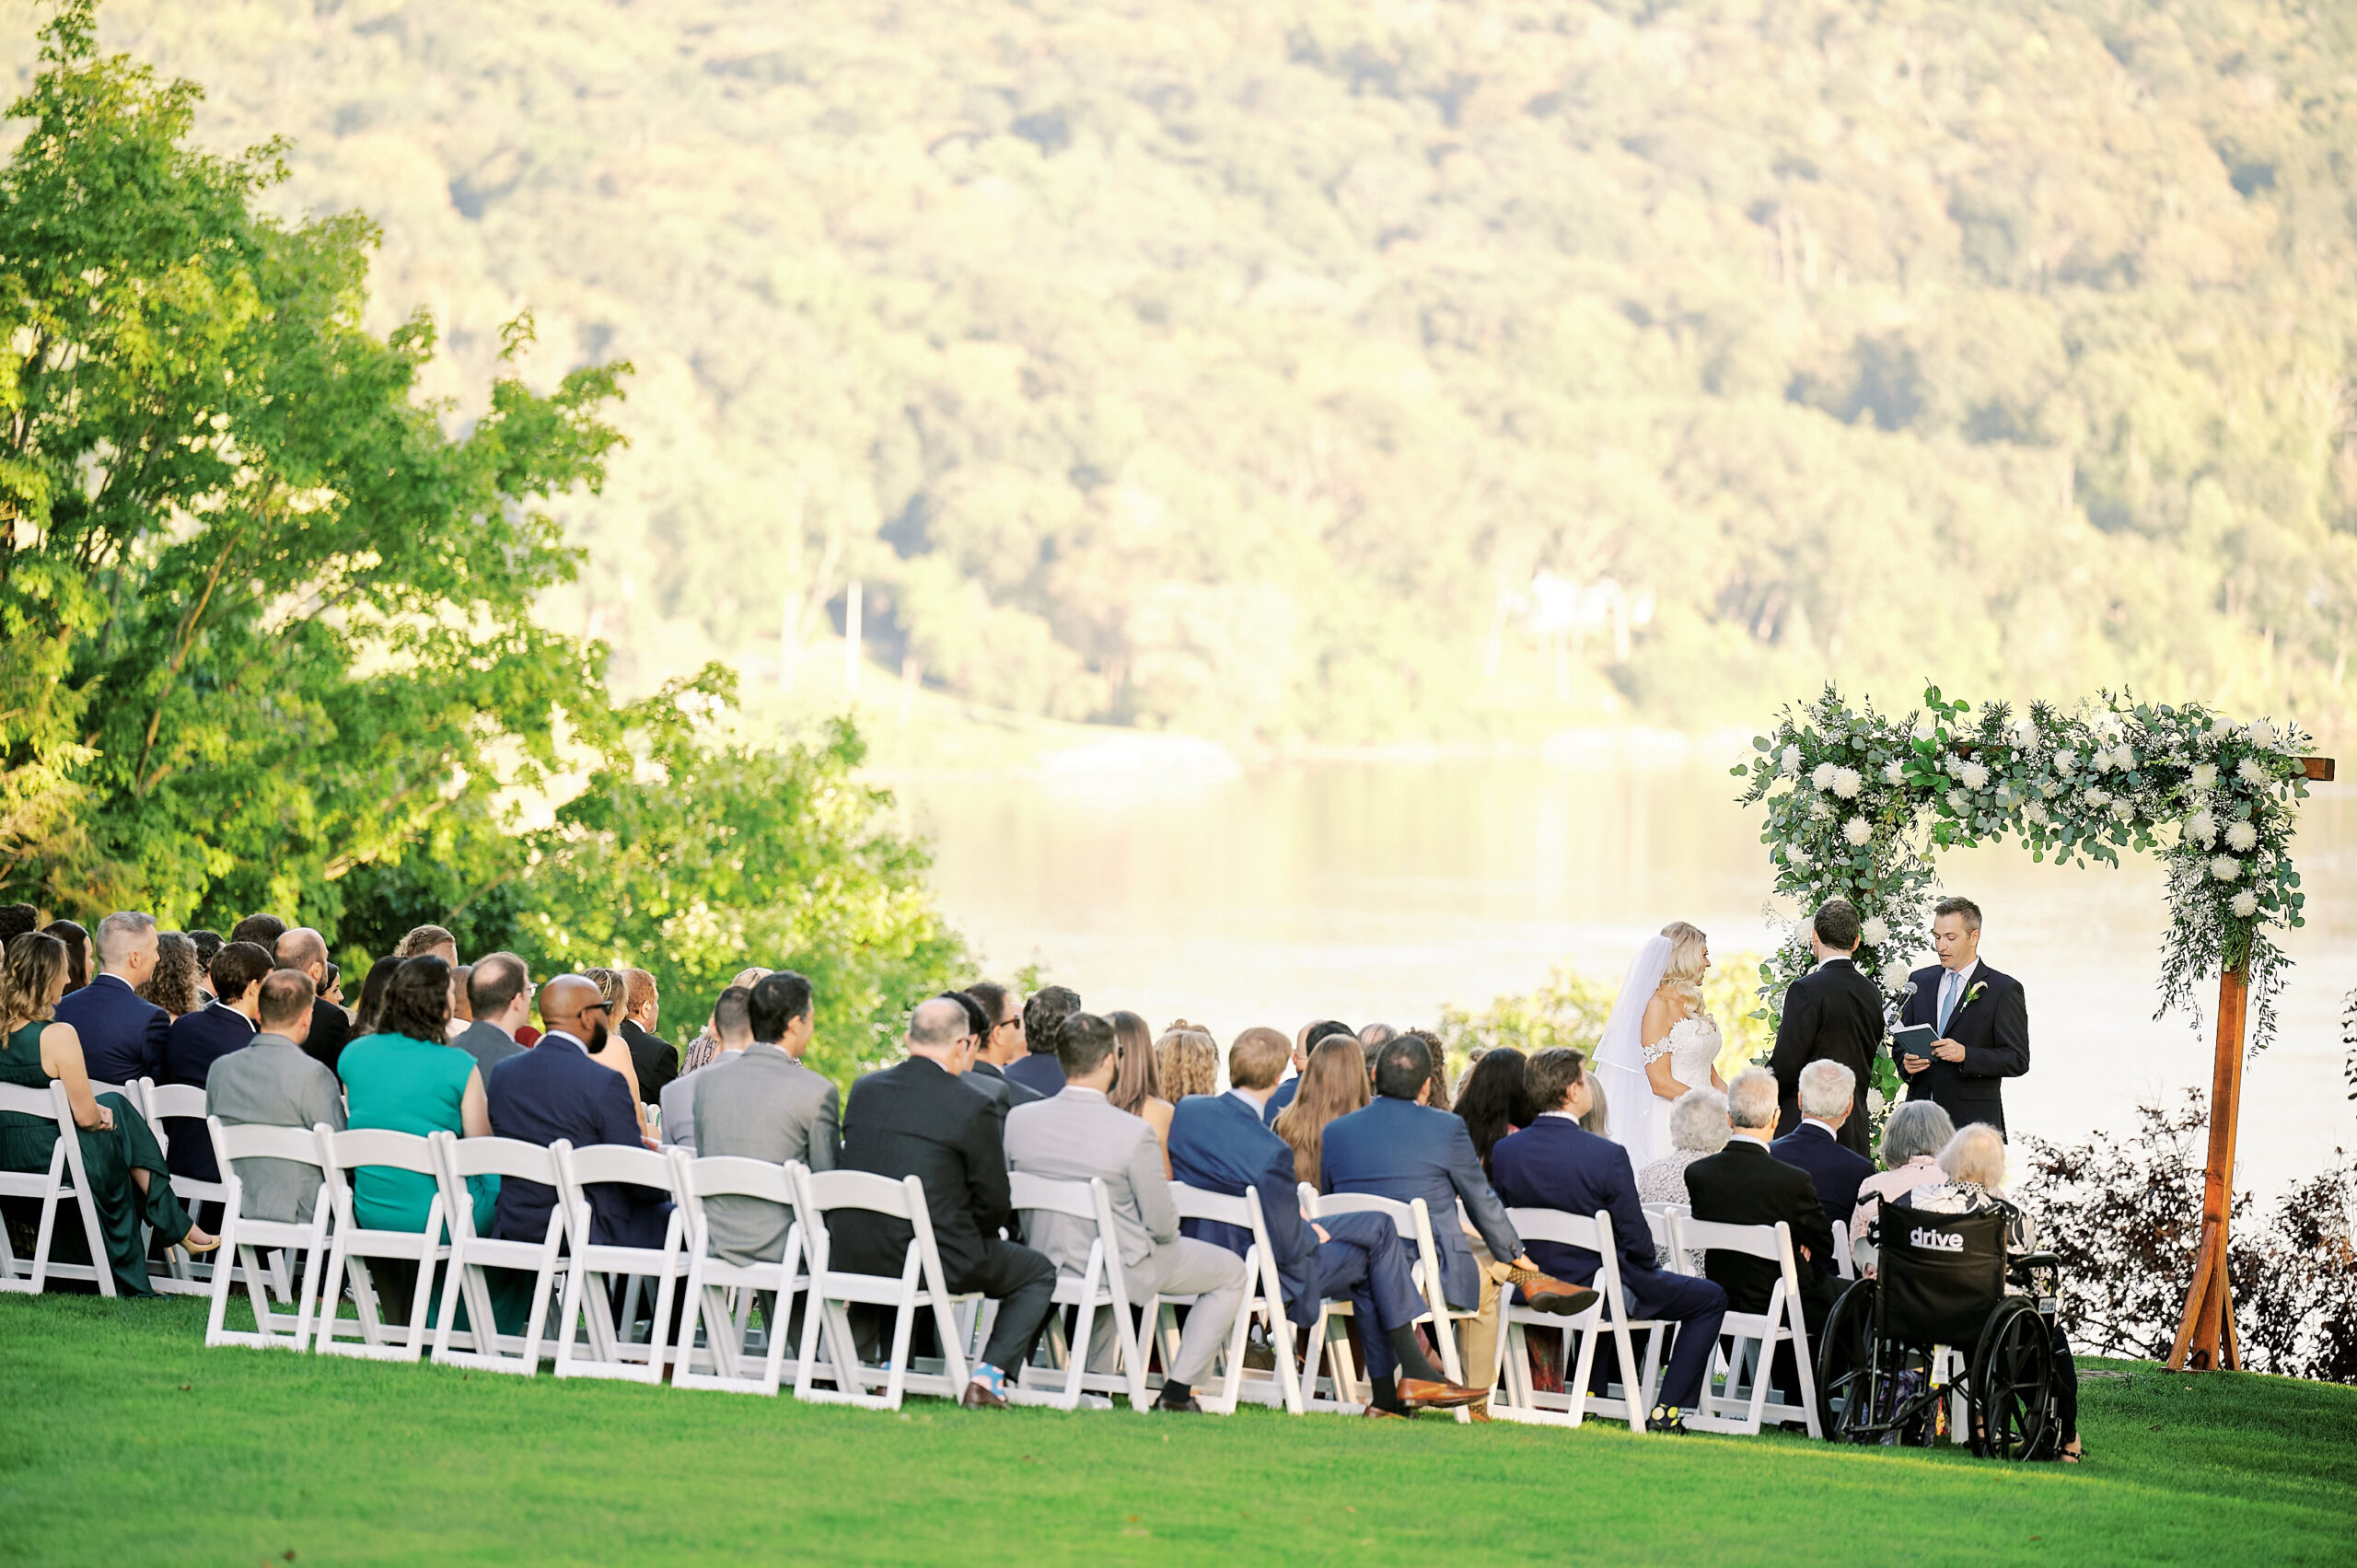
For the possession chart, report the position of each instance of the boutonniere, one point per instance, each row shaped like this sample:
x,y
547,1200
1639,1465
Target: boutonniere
x,y
1971,995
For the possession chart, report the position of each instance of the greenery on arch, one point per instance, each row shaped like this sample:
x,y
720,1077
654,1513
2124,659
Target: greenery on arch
x,y
1857,801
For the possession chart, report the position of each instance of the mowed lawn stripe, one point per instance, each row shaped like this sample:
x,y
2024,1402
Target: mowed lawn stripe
x,y
104,1456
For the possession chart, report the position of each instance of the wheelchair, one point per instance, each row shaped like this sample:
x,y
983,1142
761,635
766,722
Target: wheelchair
x,y
1947,1341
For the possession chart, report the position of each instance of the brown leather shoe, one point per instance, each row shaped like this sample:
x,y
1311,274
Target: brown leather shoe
x,y
980,1398
1549,1293
1379,1413
1418,1394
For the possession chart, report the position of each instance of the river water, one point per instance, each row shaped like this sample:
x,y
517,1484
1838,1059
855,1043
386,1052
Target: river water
x,y
1173,883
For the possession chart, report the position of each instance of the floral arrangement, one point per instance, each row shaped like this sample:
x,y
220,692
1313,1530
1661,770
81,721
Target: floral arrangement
x,y
1858,801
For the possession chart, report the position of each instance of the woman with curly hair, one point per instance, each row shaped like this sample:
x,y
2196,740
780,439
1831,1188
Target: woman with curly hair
x,y
1185,1061
173,986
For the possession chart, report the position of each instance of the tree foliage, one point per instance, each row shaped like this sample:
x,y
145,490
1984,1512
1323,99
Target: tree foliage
x,y
1238,365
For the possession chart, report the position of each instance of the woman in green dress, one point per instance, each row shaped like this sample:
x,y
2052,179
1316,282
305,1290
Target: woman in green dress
x,y
406,1077
129,1181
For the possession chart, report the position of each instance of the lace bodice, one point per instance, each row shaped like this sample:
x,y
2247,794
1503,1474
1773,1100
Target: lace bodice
x,y
1691,1045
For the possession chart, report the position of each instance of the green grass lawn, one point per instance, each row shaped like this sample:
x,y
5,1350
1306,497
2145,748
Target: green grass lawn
x,y
125,1441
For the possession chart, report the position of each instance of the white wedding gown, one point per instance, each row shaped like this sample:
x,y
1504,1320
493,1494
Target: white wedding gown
x,y
1691,1045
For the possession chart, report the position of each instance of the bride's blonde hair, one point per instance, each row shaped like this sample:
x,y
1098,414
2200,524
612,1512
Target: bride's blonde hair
x,y
1687,963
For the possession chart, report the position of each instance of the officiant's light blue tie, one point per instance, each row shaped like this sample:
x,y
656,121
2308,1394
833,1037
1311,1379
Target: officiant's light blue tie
x,y
1947,1000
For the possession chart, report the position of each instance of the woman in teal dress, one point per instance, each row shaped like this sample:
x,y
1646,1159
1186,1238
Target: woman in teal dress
x,y
406,1077
129,1182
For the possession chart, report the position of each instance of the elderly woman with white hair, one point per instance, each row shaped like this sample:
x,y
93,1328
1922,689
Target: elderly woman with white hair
x,y
1972,1164
1698,1129
1912,1141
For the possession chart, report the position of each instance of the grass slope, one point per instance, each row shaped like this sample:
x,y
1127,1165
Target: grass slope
x,y
126,1441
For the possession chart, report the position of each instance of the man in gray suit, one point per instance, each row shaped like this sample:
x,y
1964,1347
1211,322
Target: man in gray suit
x,y
499,992
1078,1135
761,1103
273,1082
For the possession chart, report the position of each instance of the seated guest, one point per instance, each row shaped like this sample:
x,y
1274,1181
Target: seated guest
x,y
1828,1092
1136,1088
1334,1084
129,1183
1973,1166
1037,1071
203,1038
1308,1038
263,930
918,1119
372,994
994,1085
705,1047
1598,1119
123,1035
557,1091
1080,1135
761,1103
1698,1128
207,944
429,941
1495,1101
1912,1141
1220,1143
614,1055
1436,1093
15,921
655,1060
173,986
1185,1061
305,951
405,1077
1401,1148
1000,1028
274,1083
77,952
499,992
1557,1163
1745,1184
731,1028
462,1009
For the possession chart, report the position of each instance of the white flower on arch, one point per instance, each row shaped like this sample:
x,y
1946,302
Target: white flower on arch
x,y
2226,868
2242,838
1859,832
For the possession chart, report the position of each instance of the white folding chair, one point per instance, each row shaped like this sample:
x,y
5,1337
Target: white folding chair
x,y
245,1240
64,1178
156,1102
342,1155
1657,1218
488,1350
1520,1399
1264,1296
1099,1287
726,1330
1737,1389
833,1291
1843,1263
611,1350
1415,1223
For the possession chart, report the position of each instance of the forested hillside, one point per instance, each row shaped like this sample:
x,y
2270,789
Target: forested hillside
x,y
1275,368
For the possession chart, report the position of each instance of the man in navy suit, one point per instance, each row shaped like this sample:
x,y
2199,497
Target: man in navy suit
x,y
1401,1148
124,1034
1310,1037
1982,1017
1219,1143
1826,1093
224,1024
554,1091
1557,1163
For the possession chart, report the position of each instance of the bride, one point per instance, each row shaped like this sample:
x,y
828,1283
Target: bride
x,y
1659,1043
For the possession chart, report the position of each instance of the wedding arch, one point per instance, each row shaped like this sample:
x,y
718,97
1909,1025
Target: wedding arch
x,y
1857,801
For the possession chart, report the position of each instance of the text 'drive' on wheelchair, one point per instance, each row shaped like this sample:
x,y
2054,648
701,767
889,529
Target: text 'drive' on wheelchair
x,y
1946,1342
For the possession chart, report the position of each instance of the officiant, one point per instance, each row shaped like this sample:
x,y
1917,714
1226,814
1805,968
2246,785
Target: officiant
x,y
1831,1014
1980,1016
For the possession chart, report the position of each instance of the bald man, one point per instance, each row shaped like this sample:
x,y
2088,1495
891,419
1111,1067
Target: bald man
x,y
304,951
920,1119
556,1091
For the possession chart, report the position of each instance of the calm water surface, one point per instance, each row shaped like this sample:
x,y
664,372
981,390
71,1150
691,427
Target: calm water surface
x,y
1383,889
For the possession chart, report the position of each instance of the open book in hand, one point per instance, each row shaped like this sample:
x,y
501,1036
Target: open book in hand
x,y
1914,1039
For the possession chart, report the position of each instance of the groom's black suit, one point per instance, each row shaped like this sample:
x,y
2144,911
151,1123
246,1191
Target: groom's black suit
x,y
1993,1028
1832,1014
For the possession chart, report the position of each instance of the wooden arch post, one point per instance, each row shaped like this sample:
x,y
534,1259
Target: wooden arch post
x,y
2205,1337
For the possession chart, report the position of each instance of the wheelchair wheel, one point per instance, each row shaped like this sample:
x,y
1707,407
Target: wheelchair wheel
x,y
1846,1366
2013,1385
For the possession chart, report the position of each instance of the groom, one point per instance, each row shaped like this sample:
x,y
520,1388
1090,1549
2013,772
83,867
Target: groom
x,y
1833,1013
1981,1019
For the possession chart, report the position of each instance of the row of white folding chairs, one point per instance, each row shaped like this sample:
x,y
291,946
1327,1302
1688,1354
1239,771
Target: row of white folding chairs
x,y
1736,1395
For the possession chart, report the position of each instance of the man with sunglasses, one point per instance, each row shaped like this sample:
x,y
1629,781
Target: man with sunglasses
x,y
996,1018
556,1091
